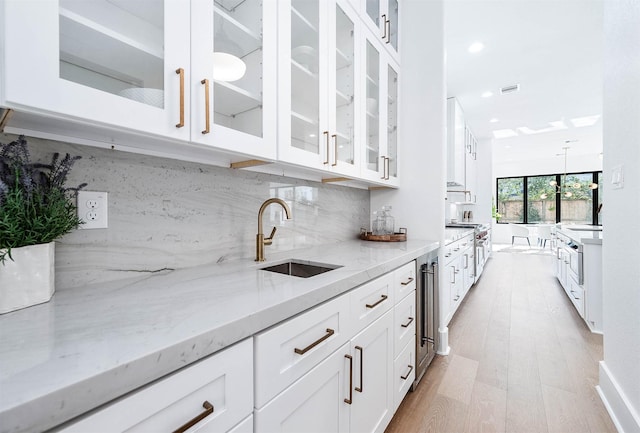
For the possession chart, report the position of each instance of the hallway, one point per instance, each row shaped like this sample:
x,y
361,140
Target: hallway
x,y
521,360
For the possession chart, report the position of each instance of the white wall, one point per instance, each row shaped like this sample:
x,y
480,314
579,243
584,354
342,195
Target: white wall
x,y
418,204
620,370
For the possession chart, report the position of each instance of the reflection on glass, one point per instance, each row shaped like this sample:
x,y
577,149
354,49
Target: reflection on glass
x,y
511,199
576,207
237,28
345,84
373,10
116,46
541,200
599,209
305,86
393,18
373,108
392,121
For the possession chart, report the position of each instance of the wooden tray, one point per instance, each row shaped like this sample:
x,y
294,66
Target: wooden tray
x,y
396,237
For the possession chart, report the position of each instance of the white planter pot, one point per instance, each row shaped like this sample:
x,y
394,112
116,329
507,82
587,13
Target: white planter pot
x,y
28,279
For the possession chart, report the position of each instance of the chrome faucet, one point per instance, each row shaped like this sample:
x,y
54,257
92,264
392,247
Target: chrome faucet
x,y
261,241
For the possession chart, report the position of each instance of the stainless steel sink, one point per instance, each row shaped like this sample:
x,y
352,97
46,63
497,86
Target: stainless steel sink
x,y
300,268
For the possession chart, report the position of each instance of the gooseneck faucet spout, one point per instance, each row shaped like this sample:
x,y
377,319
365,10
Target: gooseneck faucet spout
x,y
261,241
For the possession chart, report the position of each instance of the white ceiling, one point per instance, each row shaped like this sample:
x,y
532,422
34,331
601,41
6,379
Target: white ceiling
x,y
552,48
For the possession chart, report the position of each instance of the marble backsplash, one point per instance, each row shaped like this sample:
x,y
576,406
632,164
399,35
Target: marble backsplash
x,y
168,214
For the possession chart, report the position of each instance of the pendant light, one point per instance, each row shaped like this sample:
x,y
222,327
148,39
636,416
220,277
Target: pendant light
x,y
564,188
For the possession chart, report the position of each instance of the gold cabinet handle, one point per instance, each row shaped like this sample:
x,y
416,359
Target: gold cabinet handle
x,y
335,148
406,325
326,133
382,298
407,282
208,410
384,23
329,333
348,400
408,373
384,166
207,128
358,348
180,72
387,30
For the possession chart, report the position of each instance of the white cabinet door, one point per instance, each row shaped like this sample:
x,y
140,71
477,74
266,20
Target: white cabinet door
x,y
381,84
404,315
228,113
316,402
220,386
110,63
470,177
370,301
403,373
372,351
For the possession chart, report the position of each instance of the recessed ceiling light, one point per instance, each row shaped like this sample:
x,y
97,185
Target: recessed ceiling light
x,y
579,122
487,94
504,133
507,147
555,126
476,47
494,120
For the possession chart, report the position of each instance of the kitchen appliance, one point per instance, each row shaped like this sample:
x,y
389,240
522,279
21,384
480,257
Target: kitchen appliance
x,y
426,313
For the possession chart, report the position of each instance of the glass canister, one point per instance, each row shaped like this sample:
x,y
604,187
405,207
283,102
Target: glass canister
x,y
377,224
389,221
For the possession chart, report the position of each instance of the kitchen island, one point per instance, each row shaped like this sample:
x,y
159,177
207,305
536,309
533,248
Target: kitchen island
x,y
579,270
93,344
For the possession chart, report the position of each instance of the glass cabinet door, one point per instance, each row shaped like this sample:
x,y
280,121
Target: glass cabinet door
x,y
111,63
373,160
305,76
392,121
238,65
115,46
392,12
344,115
382,17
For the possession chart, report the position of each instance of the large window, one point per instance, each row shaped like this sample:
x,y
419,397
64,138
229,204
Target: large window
x,y
550,199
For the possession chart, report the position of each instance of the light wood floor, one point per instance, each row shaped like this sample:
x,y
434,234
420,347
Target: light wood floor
x,y
521,360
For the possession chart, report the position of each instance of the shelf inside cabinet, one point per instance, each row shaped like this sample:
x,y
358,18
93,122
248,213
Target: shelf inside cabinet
x,y
232,100
343,99
132,63
299,16
342,61
246,39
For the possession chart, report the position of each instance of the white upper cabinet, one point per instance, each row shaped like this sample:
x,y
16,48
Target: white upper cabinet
x,y
238,114
147,67
318,93
455,145
381,84
382,17
109,62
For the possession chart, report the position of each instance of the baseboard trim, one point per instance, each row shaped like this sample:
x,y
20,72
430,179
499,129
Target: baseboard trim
x,y
622,413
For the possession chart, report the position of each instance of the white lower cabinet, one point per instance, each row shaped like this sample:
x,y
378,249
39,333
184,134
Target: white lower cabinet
x,y
341,378
245,426
214,395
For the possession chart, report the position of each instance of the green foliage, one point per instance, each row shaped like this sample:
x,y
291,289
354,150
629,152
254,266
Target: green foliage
x,y
35,205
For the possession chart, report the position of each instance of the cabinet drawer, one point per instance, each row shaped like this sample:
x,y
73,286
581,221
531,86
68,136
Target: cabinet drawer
x,y
404,280
224,379
576,294
403,373
289,350
404,320
370,301
245,426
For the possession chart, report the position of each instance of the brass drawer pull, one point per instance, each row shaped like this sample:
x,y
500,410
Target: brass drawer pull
x,y
348,400
407,282
384,23
326,161
180,72
208,411
359,388
207,127
335,150
406,325
408,373
329,333
382,298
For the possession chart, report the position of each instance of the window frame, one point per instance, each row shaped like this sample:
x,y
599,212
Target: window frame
x,y
559,177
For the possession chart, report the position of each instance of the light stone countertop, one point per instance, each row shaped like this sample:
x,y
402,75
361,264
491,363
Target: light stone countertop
x,y
90,345
452,234
581,233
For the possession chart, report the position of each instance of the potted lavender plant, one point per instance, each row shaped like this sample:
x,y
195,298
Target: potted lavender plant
x,y
36,208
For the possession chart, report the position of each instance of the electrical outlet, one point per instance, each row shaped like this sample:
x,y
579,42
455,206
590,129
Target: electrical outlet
x,y
92,209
